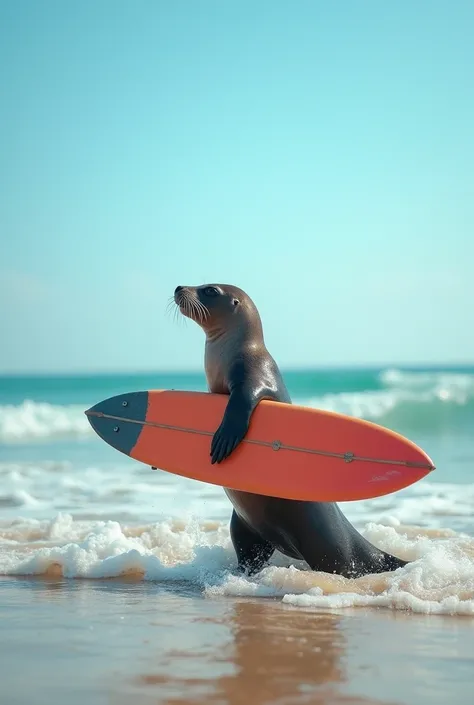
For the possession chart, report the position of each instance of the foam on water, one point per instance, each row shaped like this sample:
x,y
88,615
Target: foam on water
x,y
441,383
419,399
127,521
82,511
33,421
440,578
131,490
422,398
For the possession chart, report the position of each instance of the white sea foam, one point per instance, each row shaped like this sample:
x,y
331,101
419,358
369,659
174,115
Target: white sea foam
x,y
33,421
443,384
118,518
440,578
423,406
131,490
421,398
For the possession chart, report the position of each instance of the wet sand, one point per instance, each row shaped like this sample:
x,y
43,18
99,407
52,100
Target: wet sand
x,y
116,642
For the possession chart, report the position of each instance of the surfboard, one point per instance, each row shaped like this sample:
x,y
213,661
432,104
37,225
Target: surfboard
x,y
289,451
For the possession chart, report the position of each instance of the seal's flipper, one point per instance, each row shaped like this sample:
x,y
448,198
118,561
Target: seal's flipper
x,y
252,551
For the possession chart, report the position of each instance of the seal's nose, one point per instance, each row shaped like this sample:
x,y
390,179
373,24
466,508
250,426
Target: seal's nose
x,y
178,294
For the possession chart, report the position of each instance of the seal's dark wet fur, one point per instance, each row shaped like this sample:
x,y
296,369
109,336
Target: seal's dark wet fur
x,y
238,363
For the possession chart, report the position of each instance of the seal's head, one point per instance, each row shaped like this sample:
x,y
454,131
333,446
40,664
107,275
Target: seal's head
x,y
217,307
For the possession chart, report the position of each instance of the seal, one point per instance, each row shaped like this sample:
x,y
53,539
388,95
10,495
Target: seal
x,y
238,364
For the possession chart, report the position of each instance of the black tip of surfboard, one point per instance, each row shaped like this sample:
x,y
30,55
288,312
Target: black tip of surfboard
x,y
119,420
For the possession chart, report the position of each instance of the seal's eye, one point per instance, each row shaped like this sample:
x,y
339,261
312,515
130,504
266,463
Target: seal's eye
x,y
236,302
211,291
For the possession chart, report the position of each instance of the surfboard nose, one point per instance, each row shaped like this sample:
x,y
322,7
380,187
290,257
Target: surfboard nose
x,y
119,420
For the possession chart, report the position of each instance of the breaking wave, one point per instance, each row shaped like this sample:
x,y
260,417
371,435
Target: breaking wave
x,y
439,579
39,421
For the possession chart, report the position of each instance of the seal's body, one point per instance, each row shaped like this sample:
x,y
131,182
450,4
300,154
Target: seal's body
x,y
238,363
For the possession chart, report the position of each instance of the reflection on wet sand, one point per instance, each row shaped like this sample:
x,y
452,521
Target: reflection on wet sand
x,y
272,656
124,643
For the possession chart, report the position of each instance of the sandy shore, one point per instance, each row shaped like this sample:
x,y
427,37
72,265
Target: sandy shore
x,y
115,642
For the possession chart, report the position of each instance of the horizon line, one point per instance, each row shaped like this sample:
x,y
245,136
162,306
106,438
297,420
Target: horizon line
x,y
183,371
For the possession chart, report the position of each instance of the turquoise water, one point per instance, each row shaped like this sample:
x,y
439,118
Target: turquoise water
x,y
71,389
432,406
67,499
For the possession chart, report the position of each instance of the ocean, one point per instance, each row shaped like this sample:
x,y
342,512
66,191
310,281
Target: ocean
x,y
58,478
152,548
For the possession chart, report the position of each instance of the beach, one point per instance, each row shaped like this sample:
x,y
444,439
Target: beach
x,y
118,583
306,170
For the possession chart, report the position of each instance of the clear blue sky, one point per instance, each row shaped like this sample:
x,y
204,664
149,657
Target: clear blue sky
x,y
318,154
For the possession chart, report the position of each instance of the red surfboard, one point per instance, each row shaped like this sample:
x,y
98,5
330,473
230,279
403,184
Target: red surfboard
x,y
289,451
